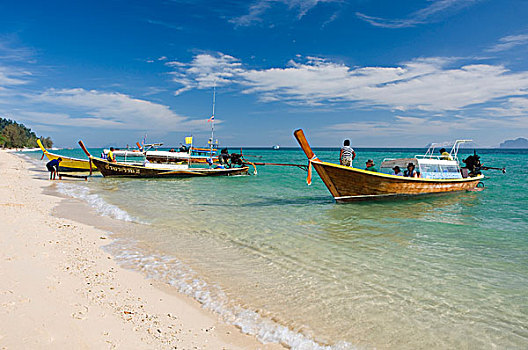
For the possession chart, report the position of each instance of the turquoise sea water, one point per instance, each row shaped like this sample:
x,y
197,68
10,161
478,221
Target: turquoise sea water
x,y
283,261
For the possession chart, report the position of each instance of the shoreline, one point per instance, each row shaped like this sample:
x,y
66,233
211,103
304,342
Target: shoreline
x,y
62,289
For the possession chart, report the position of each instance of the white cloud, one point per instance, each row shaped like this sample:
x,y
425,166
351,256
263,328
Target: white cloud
x,y
514,106
11,50
112,110
12,77
164,24
87,108
424,129
426,84
205,70
421,16
258,8
64,119
509,42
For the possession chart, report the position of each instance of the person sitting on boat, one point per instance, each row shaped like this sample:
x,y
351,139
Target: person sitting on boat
x,y
411,171
445,155
224,157
110,156
397,171
53,167
347,154
371,166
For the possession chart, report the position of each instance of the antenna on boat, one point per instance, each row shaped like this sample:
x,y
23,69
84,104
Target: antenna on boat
x,y
212,120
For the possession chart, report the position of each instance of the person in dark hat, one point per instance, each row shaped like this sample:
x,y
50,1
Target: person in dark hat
x,y
397,171
411,171
370,166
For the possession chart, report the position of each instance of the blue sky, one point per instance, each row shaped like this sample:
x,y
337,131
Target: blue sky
x,y
382,73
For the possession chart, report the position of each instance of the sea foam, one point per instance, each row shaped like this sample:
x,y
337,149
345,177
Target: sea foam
x,y
177,274
94,200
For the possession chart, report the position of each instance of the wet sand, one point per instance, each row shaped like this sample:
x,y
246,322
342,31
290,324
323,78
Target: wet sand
x,y
59,289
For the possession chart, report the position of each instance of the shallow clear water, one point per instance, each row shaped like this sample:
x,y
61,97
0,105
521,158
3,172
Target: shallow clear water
x,y
283,261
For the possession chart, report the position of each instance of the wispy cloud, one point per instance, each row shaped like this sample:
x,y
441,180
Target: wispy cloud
x,y
514,106
331,19
164,24
11,50
205,70
425,15
12,76
92,108
260,7
509,42
425,84
424,128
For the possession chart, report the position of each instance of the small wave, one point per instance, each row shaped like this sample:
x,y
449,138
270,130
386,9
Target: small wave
x,y
96,202
33,160
180,276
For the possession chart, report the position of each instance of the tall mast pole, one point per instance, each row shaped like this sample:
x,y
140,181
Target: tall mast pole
x,y
213,119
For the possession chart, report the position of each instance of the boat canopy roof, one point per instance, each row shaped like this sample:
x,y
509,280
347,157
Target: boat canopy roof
x,y
167,154
453,145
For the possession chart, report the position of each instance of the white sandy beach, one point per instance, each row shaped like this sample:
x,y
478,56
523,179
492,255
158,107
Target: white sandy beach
x,y
60,290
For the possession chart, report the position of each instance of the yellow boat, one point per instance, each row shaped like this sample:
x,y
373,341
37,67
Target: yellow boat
x,y
68,164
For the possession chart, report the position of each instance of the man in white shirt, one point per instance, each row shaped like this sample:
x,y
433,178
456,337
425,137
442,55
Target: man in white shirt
x,y
347,154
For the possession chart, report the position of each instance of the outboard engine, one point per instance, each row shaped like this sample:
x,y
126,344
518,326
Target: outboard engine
x,y
236,159
473,164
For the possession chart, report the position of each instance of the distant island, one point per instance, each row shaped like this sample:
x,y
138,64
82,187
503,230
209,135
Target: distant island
x,y
15,135
521,142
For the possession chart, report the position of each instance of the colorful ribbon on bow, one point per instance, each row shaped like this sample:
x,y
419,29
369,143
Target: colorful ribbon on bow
x,y
309,177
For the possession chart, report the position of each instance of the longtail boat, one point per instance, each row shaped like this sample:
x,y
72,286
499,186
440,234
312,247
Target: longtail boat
x,y
154,170
152,154
68,164
348,184
190,155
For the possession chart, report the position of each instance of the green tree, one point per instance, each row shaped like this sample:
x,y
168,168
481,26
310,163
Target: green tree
x,y
17,135
46,141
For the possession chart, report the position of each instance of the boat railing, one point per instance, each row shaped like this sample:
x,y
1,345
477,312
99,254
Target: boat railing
x,y
430,156
453,153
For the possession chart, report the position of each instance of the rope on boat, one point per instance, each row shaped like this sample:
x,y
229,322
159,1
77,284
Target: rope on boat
x,y
300,166
255,172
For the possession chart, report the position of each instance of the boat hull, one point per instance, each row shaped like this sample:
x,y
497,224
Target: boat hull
x,y
350,184
67,164
109,169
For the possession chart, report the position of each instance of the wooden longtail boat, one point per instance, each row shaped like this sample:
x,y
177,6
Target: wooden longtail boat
x,y
348,184
193,155
152,170
176,157
68,164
